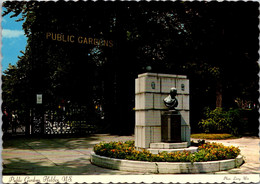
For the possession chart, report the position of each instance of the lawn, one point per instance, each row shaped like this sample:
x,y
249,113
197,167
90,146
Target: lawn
x,y
213,136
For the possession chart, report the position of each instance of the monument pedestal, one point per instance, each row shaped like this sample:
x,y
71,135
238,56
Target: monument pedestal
x,y
171,135
150,91
163,145
171,127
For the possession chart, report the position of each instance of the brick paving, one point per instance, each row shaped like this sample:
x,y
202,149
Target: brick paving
x,y
71,156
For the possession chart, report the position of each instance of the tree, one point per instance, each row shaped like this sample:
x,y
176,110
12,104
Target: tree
x,y
190,38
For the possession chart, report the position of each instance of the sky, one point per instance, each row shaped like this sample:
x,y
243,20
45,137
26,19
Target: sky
x,y
13,40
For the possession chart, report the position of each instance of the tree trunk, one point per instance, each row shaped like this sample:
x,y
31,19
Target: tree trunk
x,y
219,94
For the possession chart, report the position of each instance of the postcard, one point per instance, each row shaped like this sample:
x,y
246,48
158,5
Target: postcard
x,y
130,92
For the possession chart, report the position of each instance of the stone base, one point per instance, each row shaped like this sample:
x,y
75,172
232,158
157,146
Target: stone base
x,y
159,147
164,145
156,151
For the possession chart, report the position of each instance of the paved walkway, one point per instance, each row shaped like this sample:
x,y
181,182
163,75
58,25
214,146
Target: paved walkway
x,y
71,156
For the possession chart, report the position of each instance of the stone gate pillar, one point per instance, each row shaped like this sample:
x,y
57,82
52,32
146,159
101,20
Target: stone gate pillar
x,y
150,90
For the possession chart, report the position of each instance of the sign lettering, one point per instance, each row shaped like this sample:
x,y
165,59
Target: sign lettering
x,y
80,39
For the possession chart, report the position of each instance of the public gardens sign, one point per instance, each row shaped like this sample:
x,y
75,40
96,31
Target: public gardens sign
x,y
78,39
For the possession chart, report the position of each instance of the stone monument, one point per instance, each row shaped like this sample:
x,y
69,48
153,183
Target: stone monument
x,y
152,105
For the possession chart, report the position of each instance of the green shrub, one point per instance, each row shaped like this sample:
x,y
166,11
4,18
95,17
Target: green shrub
x,y
221,121
207,152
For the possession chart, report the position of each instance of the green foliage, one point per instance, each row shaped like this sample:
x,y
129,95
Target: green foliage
x,y
184,38
215,151
207,152
218,136
222,121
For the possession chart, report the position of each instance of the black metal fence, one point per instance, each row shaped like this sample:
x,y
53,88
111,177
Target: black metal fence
x,y
75,120
54,121
12,124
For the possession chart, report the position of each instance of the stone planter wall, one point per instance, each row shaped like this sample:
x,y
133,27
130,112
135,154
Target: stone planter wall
x,y
166,167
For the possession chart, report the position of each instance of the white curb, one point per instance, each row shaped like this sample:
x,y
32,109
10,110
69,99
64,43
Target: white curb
x,y
165,167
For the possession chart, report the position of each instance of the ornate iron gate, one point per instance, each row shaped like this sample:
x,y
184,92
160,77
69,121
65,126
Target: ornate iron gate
x,y
72,120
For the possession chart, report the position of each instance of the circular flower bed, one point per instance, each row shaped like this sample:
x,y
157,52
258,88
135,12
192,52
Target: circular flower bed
x,y
206,152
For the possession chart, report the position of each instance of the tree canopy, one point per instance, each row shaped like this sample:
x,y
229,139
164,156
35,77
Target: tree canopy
x,y
214,44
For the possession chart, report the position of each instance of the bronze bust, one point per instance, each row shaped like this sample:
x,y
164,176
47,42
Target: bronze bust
x,y
170,101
